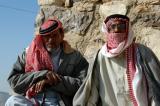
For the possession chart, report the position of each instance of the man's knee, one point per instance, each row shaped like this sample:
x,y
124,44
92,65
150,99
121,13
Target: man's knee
x,y
18,100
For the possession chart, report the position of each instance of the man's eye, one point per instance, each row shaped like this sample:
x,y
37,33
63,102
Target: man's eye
x,y
122,26
118,26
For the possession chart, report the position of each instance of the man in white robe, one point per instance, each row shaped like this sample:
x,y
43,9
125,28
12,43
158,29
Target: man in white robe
x,y
123,73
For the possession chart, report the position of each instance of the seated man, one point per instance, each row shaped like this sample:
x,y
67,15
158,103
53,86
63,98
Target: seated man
x,y
124,73
49,71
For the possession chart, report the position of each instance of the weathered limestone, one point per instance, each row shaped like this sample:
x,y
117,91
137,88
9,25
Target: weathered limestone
x,y
51,2
109,8
148,2
150,38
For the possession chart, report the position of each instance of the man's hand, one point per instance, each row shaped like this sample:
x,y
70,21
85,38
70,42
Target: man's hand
x,y
39,86
53,78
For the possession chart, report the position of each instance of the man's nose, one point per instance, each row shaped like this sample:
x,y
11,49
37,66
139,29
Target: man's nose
x,y
116,29
50,39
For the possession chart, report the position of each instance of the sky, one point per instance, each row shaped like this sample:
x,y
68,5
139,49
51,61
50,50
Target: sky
x,y
17,18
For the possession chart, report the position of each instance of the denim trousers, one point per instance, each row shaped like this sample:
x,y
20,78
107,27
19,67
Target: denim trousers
x,y
51,99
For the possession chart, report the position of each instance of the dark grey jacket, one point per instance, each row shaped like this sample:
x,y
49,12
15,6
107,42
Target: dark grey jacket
x,y
73,69
150,65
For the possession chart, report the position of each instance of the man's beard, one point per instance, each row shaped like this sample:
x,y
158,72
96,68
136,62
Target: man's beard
x,y
49,49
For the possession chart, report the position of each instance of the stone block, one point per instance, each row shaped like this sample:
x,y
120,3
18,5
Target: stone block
x,y
50,2
112,8
150,37
148,2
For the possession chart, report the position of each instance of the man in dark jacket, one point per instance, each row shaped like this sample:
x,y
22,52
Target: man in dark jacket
x,y
49,71
124,73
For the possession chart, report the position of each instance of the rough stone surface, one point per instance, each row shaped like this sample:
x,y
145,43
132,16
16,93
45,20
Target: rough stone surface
x,y
148,1
82,20
109,8
150,37
73,20
51,2
104,1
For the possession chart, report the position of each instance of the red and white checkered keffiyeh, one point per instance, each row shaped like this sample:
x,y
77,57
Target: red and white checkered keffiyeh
x,y
37,59
116,44
114,39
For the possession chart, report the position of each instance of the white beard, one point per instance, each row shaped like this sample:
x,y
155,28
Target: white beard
x,y
53,51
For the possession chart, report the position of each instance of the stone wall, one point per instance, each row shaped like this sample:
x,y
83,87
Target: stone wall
x,y
82,20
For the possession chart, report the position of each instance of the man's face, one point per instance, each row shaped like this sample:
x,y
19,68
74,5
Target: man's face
x,y
117,27
53,40
117,33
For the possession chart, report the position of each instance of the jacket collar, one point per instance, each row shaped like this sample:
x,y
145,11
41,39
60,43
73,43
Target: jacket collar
x,y
67,47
